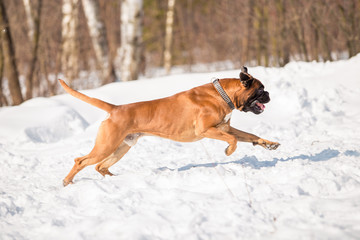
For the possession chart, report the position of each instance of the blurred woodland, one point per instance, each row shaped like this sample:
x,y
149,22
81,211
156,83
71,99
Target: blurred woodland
x,y
118,40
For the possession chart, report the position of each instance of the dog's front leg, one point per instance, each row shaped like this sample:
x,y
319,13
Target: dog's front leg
x,y
219,134
255,140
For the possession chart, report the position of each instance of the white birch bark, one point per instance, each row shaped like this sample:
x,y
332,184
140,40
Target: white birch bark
x,y
33,22
131,38
31,31
168,35
97,32
29,19
69,61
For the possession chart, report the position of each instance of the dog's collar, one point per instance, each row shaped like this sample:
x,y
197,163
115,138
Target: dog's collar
x,y
223,94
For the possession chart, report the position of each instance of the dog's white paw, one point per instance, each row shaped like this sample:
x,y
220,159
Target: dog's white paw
x,y
268,144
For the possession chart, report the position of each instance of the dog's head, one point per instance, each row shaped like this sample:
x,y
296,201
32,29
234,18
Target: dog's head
x,y
252,95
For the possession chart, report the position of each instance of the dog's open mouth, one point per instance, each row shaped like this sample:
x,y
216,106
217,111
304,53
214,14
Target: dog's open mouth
x,y
258,105
255,103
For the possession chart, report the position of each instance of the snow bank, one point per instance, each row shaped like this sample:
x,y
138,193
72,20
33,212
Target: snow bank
x,y
41,120
307,189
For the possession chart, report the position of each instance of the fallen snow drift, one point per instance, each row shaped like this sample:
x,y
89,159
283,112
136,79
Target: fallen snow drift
x,y
307,189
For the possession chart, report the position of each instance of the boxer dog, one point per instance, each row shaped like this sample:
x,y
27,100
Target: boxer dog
x,y
201,112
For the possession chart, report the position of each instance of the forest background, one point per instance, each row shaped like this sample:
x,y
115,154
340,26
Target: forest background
x,y
95,42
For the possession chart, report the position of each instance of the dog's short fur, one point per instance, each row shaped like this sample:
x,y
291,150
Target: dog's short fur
x,y
187,116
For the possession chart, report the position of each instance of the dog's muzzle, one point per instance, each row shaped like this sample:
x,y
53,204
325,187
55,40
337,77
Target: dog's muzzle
x,y
256,103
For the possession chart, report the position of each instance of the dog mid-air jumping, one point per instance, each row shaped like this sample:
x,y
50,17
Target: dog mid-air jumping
x,y
201,112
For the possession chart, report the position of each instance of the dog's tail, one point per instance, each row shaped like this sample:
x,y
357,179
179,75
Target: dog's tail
x,y
93,101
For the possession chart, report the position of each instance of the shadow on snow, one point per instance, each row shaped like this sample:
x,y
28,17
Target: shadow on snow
x,y
253,162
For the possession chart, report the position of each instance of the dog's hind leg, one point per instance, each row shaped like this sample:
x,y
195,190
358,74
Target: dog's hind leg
x,y
107,141
104,165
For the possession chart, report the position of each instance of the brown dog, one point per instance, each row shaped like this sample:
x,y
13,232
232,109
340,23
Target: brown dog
x,y
201,112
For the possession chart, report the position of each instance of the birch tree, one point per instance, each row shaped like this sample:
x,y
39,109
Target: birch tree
x,y
33,22
9,57
97,32
69,59
168,35
131,38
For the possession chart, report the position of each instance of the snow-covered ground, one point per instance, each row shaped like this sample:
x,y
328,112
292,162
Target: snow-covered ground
x,y
307,189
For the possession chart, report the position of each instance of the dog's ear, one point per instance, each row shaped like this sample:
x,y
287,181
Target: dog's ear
x,y
245,78
244,69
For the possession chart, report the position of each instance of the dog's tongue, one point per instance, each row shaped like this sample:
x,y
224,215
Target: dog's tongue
x,y
262,106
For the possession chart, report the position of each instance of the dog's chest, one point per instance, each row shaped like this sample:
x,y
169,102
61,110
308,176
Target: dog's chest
x,y
224,126
227,117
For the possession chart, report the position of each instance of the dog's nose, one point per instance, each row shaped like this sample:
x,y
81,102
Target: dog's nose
x,y
266,97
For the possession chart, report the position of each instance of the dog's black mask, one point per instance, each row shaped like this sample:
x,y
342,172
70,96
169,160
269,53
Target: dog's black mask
x,y
256,102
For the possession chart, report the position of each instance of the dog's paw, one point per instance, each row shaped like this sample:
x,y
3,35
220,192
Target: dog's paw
x,y
105,172
230,150
268,144
273,146
66,182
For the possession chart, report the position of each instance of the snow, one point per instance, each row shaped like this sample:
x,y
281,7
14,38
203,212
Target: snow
x,y
309,188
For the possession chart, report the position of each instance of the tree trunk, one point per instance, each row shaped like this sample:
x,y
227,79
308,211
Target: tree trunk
x,y
69,57
131,38
257,28
297,28
261,28
348,25
51,85
326,46
168,35
315,26
9,54
249,48
97,32
298,32
3,101
33,20
284,47
265,34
